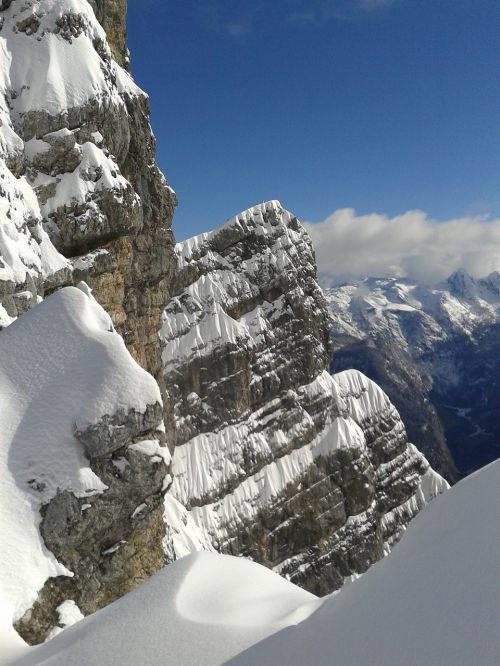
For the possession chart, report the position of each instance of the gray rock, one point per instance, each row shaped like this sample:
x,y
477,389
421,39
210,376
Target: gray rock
x,y
103,539
112,432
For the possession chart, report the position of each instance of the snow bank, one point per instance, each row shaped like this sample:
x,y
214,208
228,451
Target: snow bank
x,y
201,610
431,602
63,73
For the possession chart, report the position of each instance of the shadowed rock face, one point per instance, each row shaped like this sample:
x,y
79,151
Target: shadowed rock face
x,y
274,458
112,14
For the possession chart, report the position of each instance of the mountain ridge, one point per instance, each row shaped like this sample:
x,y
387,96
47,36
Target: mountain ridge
x,y
442,342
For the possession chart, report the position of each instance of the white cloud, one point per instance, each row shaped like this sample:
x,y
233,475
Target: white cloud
x,y
350,246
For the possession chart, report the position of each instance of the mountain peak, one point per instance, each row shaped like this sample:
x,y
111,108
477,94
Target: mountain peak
x,y
462,284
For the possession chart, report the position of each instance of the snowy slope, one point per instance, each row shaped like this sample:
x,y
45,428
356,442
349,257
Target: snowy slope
x,y
62,369
201,610
433,602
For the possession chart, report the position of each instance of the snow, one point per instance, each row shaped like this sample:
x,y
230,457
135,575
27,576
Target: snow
x,y
251,218
69,614
214,460
197,321
202,610
87,261
43,70
363,398
183,536
152,448
61,365
19,249
214,329
62,74
80,185
386,305
433,600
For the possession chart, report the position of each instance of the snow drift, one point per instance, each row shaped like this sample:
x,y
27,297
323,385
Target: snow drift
x,y
431,602
201,610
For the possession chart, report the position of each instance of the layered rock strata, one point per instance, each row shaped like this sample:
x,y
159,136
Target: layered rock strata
x,y
81,198
77,162
274,458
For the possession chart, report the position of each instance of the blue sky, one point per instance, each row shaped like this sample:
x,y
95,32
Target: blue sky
x,y
378,105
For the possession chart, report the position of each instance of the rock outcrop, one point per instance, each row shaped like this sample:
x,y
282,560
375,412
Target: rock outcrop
x,y
82,464
81,198
77,160
274,458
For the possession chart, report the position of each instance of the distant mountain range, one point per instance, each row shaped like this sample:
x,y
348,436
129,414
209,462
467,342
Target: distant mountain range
x,y
436,352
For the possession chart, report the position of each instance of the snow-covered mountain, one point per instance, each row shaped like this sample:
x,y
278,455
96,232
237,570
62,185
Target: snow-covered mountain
x,y
433,601
272,457
82,469
436,353
81,198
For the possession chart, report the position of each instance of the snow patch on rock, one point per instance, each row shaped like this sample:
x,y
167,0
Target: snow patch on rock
x,y
60,364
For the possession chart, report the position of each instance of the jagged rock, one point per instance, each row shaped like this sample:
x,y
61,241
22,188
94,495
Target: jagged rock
x,y
274,458
111,14
114,430
78,173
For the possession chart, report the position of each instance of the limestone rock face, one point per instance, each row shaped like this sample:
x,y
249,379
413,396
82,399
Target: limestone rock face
x,y
77,159
276,459
273,458
81,198
111,14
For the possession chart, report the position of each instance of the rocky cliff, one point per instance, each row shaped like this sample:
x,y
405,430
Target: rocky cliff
x,y
274,458
81,464
82,196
